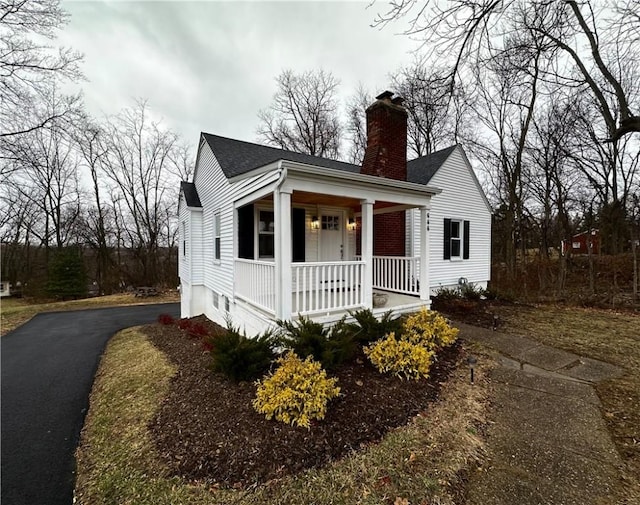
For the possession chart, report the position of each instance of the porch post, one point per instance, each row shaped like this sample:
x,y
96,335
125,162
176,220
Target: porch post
x,y
425,290
367,252
282,252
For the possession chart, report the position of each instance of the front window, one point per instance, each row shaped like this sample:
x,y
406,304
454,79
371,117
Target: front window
x,y
456,239
266,227
184,239
216,235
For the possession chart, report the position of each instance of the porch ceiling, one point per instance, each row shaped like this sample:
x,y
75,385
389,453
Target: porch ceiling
x,y
307,198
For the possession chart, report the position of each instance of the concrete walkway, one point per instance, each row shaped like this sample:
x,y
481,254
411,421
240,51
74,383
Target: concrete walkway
x,y
48,365
547,442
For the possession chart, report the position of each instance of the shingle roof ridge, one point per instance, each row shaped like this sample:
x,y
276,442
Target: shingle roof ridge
x,y
279,149
434,153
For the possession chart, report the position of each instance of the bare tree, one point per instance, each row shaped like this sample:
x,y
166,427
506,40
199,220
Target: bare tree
x,y
138,164
182,162
356,124
45,172
505,102
555,178
97,223
433,113
28,66
470,29
303,116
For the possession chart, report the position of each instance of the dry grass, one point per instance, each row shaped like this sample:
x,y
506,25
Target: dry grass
x,y
116,461
422,462
605,335
17,311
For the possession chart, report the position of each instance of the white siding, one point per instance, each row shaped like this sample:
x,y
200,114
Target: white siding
x,y
197,252
217,194
184,272
460,199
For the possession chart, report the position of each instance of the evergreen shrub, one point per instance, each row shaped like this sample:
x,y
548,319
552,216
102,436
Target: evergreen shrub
x,y
368,329
241,358
308,338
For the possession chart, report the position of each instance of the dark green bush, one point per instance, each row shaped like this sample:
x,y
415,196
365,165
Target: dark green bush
x,y
241,358
67,274
307,338
470,291
368,329
446,294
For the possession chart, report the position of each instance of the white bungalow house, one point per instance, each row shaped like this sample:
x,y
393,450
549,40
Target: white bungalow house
x,y
269,234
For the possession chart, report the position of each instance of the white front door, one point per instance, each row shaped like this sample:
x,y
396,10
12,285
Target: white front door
x,y
331,235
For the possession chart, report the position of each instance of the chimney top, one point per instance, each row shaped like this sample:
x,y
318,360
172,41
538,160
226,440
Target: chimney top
x,y
385,98
384,94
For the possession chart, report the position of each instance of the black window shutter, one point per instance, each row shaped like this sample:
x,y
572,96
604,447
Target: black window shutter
x,y
298,235
245,232
447,239
465,243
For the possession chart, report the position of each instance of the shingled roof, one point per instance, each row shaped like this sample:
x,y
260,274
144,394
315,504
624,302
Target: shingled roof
x,y
237,157
422,169
190,194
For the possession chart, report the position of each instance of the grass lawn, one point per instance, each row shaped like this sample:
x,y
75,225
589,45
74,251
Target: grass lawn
x,y
423,462
605,335
16,311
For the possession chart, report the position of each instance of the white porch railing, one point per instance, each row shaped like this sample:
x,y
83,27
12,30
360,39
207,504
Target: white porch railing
x,y
256,283
322,287
396,273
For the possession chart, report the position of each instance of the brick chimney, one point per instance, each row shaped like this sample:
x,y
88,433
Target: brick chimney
x,y
386,156
386,153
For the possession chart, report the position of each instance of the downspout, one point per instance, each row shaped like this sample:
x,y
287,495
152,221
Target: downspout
x,y
283,175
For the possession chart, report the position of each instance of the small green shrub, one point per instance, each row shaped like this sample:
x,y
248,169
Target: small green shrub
x,y
307,338
447,294
470,291
297,392
429,329
400,357
241,358
342,342
368,329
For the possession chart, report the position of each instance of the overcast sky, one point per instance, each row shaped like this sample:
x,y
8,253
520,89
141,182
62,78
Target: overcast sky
x,y
210,66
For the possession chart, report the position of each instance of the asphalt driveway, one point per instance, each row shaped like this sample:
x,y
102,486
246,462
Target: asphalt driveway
x,y
47,369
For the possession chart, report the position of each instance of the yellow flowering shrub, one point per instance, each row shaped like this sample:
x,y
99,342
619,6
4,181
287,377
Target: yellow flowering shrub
x,y
400,357
429,329
297,392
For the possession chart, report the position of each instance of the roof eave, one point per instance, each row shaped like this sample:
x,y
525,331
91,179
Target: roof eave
x,y
273,166
365,179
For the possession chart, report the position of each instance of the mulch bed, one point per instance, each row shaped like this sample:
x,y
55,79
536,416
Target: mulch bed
x,y
481,313
206,428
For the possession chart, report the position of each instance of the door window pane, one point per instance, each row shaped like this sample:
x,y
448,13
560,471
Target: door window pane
x,y
330,222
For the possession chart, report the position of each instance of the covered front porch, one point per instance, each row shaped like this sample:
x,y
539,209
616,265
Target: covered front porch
x,y
297,256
